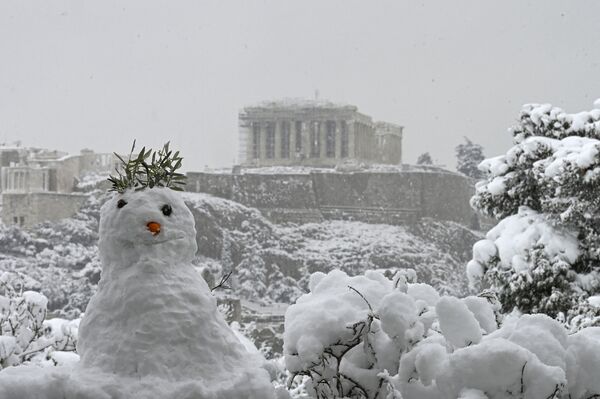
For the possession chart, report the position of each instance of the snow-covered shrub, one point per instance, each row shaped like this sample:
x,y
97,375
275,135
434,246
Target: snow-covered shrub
x,y
15,241
25,334
373,337
544,256
59,258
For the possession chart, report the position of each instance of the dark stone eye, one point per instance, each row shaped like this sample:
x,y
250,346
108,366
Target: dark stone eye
x,y
166,209
121,203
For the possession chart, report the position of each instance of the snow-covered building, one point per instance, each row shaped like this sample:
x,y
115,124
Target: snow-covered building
x,y
40,184
314,133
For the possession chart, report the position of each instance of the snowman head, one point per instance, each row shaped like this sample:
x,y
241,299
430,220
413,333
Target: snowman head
x,y
153,223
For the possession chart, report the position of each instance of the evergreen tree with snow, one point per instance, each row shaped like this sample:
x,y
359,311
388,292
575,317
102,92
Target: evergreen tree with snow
x,y
424,159
544,255
469,155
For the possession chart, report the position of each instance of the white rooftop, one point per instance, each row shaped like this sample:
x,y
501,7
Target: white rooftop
x,y
300,103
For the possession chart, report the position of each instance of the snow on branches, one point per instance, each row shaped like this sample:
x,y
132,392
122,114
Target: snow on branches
x,y
26,335
372,337
549,179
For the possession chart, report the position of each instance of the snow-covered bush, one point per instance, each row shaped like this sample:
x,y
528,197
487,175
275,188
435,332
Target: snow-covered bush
x,y
25,334
373,337
545,254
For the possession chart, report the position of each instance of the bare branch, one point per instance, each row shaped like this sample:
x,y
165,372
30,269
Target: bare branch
x,y
221,284
362,296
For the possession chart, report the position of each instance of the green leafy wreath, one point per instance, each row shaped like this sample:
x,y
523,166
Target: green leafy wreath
x,y
148,169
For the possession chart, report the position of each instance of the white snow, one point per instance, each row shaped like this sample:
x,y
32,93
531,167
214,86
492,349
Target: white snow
x,y
484,251
475,272
584,364
8,345
307,332
496,366
497,186
398,313
152,329
463,353
515,235
594,301
579,151
483,312
457,322
424,292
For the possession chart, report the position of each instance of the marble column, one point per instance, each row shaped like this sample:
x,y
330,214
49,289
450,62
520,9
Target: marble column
x,y
338,140
277,129
263,143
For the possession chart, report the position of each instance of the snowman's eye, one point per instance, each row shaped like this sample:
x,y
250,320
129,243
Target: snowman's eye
x,y
166,209
121,203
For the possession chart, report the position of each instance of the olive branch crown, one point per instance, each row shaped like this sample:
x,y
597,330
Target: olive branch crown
x,y
148,169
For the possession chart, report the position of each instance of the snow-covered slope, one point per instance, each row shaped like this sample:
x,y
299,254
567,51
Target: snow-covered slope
x,y
271,262
153,321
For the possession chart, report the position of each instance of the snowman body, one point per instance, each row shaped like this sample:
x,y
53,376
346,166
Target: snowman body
x,y
153,315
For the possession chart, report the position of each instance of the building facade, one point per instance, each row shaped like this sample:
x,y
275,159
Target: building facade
x,y
40,185
314,133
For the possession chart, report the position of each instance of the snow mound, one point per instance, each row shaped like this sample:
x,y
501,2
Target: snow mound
x,y
152,329
398,340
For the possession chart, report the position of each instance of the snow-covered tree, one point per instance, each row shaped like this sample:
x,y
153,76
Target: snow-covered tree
x,y
544,256
468,156
424,159
372,337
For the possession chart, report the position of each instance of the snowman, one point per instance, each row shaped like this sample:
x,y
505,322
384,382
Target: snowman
x,y
152,330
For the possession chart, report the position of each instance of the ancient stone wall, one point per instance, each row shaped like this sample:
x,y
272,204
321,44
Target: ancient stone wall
x,y
32,208
373,197
91,162
219,185
274,191
446,196
16,209
67,173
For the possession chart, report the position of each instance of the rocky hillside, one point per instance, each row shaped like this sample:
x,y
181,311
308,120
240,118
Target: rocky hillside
x,y
270,263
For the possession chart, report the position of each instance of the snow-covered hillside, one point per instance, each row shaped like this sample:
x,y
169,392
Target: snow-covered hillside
x,y
271,263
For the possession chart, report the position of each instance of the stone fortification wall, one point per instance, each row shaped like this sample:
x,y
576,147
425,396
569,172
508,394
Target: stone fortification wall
x,y
280,198
29,209
446,196
374,197
275,191
217,184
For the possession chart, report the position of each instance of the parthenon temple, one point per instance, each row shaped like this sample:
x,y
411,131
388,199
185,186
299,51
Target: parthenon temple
x,y
314,133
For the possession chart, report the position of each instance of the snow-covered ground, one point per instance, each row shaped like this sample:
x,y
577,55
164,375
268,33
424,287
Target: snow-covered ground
x,y
152,329
271,262
263,253
363,326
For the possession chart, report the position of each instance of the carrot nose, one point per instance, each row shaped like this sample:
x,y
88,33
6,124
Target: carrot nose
x,y
154,227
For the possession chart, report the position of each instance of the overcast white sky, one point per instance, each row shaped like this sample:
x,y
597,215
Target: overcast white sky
x,y
96,74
